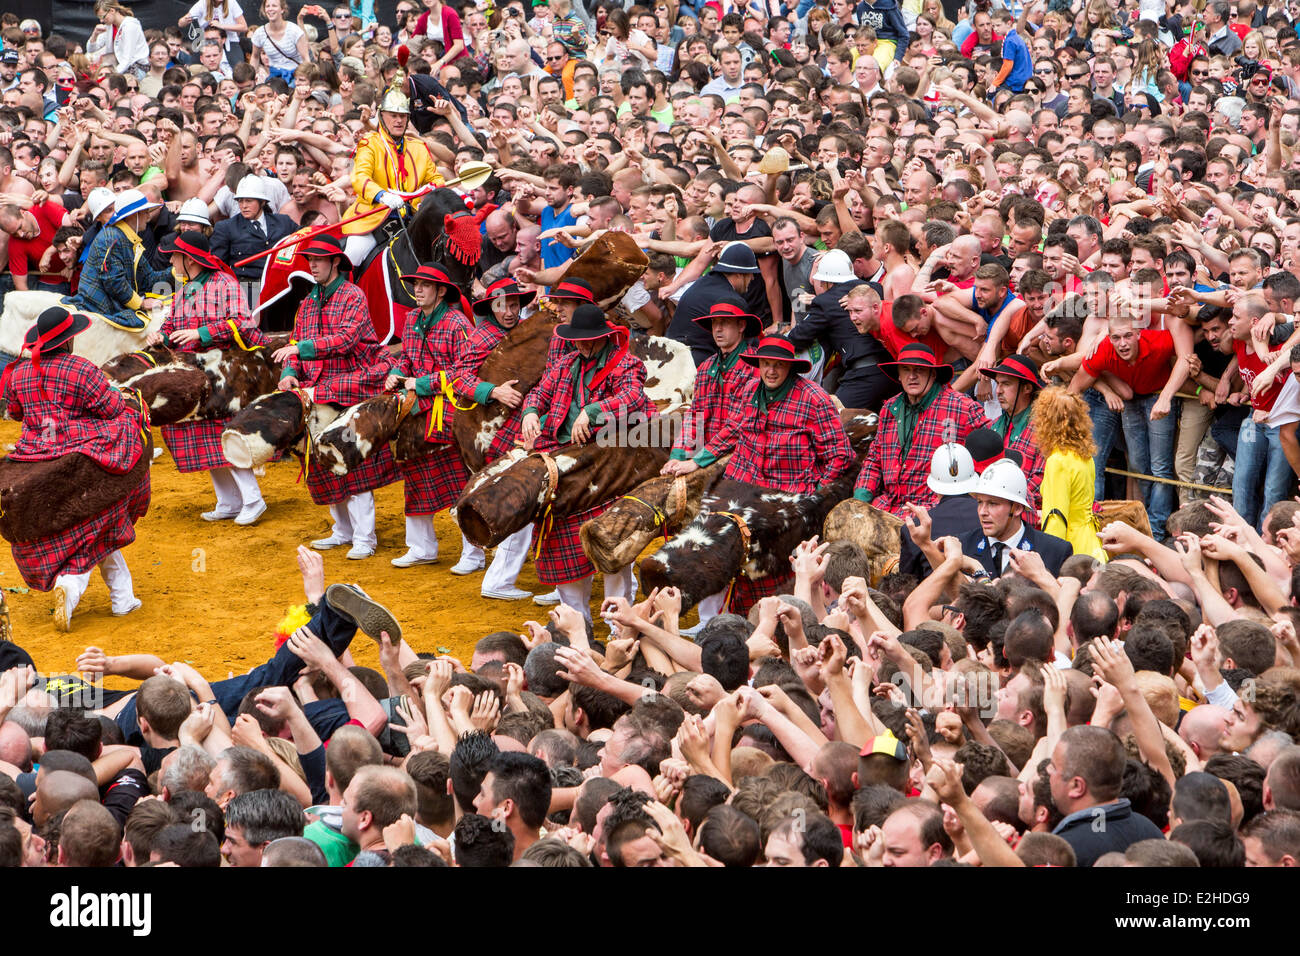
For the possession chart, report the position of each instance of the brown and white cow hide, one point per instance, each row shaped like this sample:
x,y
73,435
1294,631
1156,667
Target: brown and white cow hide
x,y
173,392
876,532
709,552
122,367
39,499
359,432
515,490
661,506
520,355
669,371
269,426
610,265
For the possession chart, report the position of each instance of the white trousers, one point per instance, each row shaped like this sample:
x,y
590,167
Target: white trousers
x,y
236,488
420,537
354,519
357,247
621,584
577,595
508,561
116,575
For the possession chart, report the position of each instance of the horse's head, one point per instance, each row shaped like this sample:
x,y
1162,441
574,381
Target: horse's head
x,y
445,232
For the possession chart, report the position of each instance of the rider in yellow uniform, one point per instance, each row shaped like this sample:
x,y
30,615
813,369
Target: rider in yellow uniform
x,y
387,162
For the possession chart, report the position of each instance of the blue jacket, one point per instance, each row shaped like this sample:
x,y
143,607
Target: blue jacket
x,y
234,239
1052,549
113,281
886,19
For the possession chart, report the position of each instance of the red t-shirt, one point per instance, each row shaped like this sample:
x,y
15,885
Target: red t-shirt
x,y
1249,364
1149,373
894,338
25,254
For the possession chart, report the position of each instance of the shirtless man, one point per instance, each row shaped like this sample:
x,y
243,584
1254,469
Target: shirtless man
x,y
892,240
181,164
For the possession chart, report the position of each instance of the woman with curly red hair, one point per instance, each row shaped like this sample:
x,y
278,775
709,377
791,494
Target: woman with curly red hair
x,y
1064,432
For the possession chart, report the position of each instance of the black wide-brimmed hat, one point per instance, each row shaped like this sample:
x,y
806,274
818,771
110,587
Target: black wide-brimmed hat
x,y
326,244
725,310
921,356
779,349
985,446
572,289
53,327
588,323
500,290
431,273
1016,366
194,246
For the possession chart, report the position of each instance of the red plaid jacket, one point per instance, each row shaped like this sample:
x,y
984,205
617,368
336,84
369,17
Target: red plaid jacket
x,y
797,446
209,307
481,342
338,355
888,477
78,412
714,403
423,357
619,394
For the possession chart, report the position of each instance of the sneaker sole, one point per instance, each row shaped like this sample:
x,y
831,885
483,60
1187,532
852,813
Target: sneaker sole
x,y
493,596
370,616
317,546
548,603
245,522
399,563
61,617
463,571
208,516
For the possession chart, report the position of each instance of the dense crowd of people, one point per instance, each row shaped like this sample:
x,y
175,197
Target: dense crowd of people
x,y
1053,246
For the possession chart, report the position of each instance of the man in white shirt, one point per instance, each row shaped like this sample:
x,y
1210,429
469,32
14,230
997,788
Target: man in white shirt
x,y
1001,498
728,83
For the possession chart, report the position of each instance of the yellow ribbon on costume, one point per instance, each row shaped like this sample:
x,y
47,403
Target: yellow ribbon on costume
x,y
147,357
239,340
445,394
548,519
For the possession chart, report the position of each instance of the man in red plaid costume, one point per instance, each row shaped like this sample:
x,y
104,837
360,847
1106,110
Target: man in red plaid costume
x,y
786,435
595,383
719,382
912,427
67,405
499,312
338,361
434,337
1017,382
208,311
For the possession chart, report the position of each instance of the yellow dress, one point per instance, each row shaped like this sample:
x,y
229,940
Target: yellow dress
x,y
1067,502
378,166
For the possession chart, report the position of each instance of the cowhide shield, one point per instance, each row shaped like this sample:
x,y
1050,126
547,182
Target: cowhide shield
x,y
360,432
520,355
270,426
39,499
610,265
876,532
710,551
661,506
515,490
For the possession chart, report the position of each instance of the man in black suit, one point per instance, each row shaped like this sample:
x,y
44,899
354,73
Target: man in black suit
x,y
1001,498
863,384
952,478
254,230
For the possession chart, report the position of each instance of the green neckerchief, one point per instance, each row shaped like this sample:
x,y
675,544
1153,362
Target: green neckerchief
x,y
584,371
191,287
424,321
725,363
321,293
909,414
765,398
1011,427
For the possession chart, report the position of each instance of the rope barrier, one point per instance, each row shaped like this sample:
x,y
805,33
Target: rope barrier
x,y
1169,481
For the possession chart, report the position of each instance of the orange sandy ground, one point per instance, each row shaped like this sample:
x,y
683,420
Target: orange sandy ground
x,y
213,592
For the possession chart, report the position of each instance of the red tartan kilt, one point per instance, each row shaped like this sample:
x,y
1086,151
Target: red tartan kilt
x,y
746,593
376,471
562,559
82,547
434,481
196,446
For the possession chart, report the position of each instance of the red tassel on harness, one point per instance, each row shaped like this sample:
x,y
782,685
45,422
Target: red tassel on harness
x,y
464,244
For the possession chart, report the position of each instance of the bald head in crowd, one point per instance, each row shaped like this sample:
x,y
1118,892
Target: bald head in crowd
x,y
58,790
